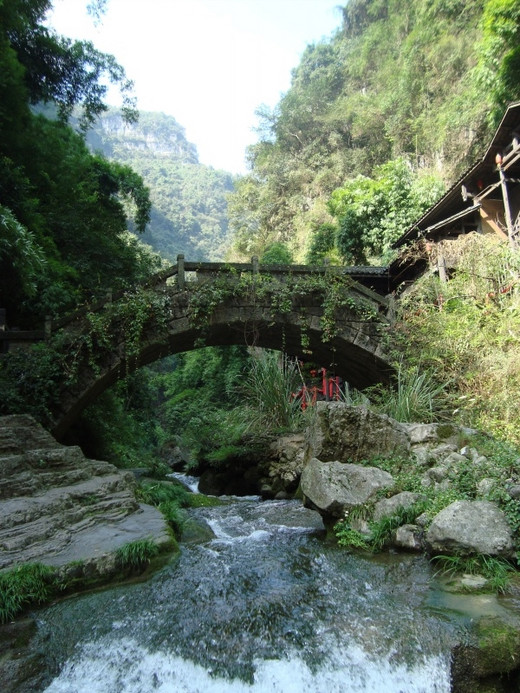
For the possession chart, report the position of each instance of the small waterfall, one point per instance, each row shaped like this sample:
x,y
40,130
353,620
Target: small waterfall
x,y
267,605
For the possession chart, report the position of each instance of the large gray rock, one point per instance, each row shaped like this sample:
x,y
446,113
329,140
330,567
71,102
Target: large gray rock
x,y
389,506
57,507
352,434
467,527
333,488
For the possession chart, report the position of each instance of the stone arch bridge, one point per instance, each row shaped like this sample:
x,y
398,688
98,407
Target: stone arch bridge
x,y
326,315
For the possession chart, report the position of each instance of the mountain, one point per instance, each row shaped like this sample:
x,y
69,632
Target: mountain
x,y
189,212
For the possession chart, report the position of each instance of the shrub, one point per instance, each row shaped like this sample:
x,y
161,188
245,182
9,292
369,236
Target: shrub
x,y
417,396
268,390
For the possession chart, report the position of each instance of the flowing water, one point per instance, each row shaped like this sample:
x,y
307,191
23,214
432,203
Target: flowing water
x,y
267,605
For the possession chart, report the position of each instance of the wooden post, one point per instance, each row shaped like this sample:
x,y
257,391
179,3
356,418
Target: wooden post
x,y
507,208
441,266
181,277
254,264
48,327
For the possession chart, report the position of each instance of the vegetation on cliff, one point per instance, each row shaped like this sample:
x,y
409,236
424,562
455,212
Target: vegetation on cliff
x,y
189,200
422,83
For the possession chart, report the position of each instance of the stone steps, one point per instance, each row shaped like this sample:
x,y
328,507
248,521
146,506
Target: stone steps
x,y
56,505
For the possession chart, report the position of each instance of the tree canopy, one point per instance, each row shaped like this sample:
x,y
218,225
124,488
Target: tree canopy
x,y
63,228
411,81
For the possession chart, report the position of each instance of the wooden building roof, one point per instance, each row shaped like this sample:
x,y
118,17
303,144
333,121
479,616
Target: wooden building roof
x,y
474,202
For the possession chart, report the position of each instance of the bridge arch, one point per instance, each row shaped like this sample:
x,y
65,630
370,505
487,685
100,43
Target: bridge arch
x,y
222,305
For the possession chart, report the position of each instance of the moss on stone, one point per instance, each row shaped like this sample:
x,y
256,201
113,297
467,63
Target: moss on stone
x,y
498,646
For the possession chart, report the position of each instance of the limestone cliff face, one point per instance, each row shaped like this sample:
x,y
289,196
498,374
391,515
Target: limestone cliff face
x,y
57,507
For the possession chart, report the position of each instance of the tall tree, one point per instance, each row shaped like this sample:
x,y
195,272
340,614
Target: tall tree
x,y
64,211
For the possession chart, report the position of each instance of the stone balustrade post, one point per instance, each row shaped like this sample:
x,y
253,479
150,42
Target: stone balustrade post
x,y
254,264
181,277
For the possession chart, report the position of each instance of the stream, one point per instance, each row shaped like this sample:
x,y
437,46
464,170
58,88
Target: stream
x,y
267,605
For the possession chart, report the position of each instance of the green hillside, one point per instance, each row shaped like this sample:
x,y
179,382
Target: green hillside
x,y
189,200
420,83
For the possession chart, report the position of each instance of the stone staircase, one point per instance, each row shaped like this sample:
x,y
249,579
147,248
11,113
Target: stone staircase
x,y
58,507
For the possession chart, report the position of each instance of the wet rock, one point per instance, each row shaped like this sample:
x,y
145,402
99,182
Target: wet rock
x,y
196,531
467,527
56,506
332,488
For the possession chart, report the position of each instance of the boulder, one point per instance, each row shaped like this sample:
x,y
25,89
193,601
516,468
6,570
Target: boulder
x,y
351,434
467,527
389,506
409,537
283,464
333,488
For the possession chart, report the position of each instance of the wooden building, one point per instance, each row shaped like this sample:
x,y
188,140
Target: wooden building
x,y
486,199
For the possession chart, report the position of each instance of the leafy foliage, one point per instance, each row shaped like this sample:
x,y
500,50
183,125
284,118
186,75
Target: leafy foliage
x,y
372,213
63,235
464,332
397,83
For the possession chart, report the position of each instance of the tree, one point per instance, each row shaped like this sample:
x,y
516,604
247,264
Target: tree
x,y
372,213
64,237
277,254
498,70
57,70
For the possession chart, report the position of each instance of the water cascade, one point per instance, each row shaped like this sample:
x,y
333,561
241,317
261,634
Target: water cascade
x,y
267,605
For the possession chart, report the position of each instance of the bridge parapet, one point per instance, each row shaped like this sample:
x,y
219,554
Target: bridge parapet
x,y
318,314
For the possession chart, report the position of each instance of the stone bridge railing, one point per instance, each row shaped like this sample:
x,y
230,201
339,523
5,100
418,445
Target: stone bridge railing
x,y
372,282
323,314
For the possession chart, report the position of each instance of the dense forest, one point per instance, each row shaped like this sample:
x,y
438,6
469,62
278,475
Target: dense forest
x,y
378,120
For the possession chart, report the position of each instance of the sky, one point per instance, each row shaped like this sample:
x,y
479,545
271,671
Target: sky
x,y
208,63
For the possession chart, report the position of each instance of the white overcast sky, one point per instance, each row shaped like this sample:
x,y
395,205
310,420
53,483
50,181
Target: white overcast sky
x,y
208,63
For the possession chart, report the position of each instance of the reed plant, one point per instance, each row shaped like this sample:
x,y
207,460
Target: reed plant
x,y
416,396
269,391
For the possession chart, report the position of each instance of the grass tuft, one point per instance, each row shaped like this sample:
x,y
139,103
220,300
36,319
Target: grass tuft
x,y
136,555
26,585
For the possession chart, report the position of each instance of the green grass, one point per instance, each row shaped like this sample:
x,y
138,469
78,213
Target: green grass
x,y
26,585
136,555
497,571
417,396
268,391
163,492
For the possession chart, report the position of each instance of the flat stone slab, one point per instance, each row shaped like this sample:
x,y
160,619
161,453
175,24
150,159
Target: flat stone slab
x,y
107,537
